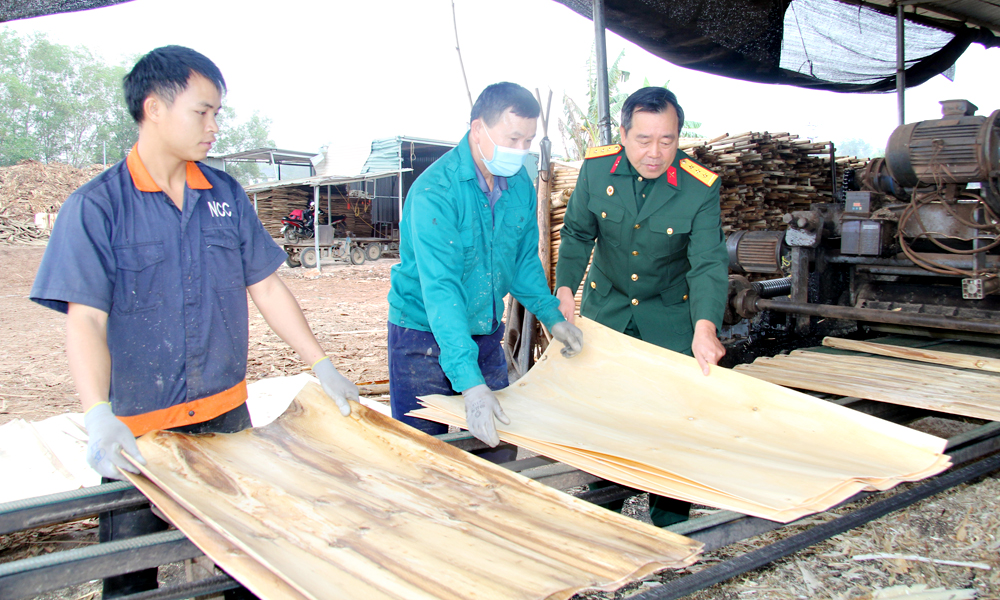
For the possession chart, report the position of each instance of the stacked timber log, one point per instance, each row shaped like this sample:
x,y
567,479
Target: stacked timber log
x,y
275,204
564,175
764,175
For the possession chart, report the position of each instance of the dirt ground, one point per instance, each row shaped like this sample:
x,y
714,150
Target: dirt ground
x,y
347,308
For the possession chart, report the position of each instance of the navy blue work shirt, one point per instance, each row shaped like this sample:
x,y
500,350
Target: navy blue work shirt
x,y
173,283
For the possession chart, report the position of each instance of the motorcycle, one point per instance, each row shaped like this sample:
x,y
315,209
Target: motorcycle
x,y
300,224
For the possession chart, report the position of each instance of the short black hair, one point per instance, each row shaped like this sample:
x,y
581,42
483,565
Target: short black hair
x,y
654,100
498,97
165,72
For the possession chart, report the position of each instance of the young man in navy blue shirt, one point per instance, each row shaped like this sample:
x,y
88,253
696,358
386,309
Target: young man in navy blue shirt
x,y
152,261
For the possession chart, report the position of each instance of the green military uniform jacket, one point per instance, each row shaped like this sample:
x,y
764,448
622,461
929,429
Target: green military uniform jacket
x,y
663,266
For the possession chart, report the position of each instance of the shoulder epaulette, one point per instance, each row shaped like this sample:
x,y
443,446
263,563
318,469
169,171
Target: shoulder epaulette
x,y
599,151
698,172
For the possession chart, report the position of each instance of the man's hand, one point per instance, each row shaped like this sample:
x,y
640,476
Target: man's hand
x,y
705,346
108,437
336,385
571,337
567,304
481,405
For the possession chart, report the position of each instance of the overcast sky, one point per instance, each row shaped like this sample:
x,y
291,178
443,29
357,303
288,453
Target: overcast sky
x,y
345,73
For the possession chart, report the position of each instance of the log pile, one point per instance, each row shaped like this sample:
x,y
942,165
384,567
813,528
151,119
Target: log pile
x,y
764,176
21,232
275,204
31,187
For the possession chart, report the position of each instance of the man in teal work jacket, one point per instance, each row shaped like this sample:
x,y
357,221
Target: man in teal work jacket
x,y
660,267
468,236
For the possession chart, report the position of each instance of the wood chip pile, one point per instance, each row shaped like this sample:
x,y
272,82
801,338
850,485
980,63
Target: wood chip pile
x,y
764,175
274,205
31,187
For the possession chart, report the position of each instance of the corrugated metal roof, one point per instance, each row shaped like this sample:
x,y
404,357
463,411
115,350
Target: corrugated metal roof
x,y
320,180
385,153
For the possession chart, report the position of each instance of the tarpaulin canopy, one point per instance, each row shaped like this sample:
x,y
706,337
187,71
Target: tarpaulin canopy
x,y
821,44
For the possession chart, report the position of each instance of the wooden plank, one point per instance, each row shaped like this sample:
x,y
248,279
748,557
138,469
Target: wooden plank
x,y
646,417
367,507
964,361
919,385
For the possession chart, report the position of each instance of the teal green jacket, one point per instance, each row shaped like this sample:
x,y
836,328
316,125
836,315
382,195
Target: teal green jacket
x,y
665,267
456,265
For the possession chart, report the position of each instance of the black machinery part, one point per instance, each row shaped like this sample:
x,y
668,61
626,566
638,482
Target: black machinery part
x,y
755,251
750,304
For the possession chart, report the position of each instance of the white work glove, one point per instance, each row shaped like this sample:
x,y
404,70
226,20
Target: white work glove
x,y
571,337
336,385
481,405
108,437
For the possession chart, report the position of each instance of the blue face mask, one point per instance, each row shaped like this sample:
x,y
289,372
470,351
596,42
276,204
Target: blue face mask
x,y
506,162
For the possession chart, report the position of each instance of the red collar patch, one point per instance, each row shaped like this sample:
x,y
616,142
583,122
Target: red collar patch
x,y
672,176
615,166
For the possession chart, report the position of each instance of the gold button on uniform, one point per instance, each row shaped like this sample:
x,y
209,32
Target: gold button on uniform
x,y
685,297
604,215
635,253
635,302
670,231
593,285
640,178
637,226
635,277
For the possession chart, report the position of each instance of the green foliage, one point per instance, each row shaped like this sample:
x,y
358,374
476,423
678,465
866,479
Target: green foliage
x,y
579,128
60,104
859,148
248,135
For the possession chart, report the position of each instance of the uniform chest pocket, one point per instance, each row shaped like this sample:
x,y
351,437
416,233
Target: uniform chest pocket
x,y
469,251
609,219
137,276
223,259
667,235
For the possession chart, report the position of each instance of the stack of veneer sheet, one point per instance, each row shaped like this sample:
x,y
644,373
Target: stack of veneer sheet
x,y
648,418
949,382
316,505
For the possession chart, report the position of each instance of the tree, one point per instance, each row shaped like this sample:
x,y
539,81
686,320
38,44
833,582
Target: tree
x,y
580,130
61,104
253,133
64,105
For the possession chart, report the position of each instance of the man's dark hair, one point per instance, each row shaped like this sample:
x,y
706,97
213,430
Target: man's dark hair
x,y
499,97
165,72
654,100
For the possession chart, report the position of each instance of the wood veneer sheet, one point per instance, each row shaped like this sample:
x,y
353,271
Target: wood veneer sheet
x,y
971,393
366,507
725,440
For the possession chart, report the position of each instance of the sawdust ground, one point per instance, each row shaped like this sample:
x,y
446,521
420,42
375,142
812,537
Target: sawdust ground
x,y
962,524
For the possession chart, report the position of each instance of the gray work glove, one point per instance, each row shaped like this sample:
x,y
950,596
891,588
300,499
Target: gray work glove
x,y
108,437
336,385
571,337
481,405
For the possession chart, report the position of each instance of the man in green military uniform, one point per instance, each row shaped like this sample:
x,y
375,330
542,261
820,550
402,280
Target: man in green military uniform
x,y
660,267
